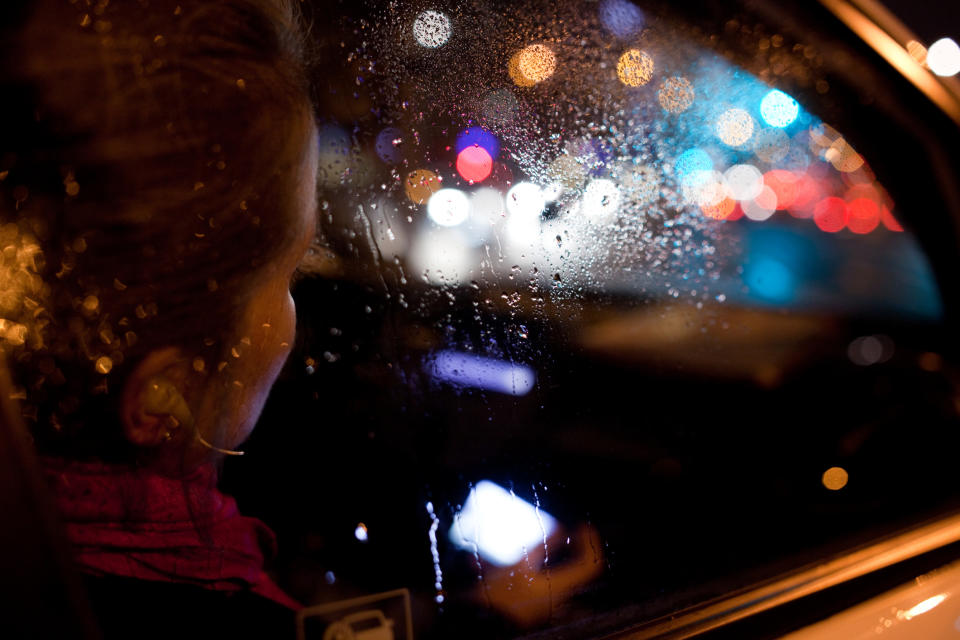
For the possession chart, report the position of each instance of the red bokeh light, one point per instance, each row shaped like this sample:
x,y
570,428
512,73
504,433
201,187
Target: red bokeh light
x,y
809,192
831,214
785,185
737,212
474,164
889,221
863,215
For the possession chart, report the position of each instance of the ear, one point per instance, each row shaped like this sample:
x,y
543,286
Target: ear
x,y
143,424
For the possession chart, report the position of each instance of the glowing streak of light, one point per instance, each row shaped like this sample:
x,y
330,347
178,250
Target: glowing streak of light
x,y
923,607
435,552
635,68
468,370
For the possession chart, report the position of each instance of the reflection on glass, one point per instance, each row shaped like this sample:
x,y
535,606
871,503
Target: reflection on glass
x,y
499,526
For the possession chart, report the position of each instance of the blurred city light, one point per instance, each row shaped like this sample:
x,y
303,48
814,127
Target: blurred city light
x,y
531,65
500,526
676,94
474,164
778,109
692,160
620,17
922,607
835,478
601,199
420,185
431,29
943,57
744,181
469,370
387,145
734,127
635,68
448,207
360,533
525,199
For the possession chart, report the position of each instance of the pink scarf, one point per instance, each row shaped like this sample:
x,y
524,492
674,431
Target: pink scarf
x,y
133,523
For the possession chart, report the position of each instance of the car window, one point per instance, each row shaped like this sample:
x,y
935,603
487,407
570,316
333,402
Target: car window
x,y
607,319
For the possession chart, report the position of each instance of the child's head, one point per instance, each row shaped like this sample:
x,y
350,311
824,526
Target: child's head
x,y
157,192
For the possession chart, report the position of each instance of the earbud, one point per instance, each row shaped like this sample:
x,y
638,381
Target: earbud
x,y
161,397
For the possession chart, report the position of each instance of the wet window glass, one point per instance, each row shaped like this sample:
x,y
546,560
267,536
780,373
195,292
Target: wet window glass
x,y
605,320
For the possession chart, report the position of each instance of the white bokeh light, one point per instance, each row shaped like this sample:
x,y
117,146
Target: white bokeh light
x,y
698,185
744,181
499,526
448,207
431,29
601,199
443,256
735,127
943,57
525,199
487,213
761,207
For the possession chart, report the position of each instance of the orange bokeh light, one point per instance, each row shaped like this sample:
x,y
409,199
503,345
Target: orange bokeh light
x,y
720,210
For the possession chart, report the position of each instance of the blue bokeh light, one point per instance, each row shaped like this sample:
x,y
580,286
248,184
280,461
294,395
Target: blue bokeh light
x,y
690,161
778,109
770,279
386,145
480,137
620,17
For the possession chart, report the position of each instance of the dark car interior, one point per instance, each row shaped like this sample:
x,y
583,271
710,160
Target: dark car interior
x,y
659,406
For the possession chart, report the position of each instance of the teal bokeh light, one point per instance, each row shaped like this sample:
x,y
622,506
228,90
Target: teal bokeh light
x,y
778,109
